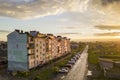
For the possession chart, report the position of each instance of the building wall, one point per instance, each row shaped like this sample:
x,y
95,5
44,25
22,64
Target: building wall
x,y
31,60
17,52
59,49
54,48
63,46
40,50
68,46
49,49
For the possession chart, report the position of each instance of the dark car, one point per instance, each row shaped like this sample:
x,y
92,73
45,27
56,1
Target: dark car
x,y
68,65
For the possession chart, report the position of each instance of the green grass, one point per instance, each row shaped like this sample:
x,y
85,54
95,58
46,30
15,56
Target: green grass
x,y
93,57
111,57
46,74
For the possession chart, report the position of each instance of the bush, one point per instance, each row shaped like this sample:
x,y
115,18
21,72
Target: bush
x,y
61,64
37,78
23,74
55,69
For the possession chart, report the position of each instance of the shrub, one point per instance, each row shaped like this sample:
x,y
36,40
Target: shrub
x,y
37,78
23,74
55,69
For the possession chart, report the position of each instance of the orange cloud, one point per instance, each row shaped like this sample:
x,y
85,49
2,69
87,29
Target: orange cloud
x,y
108,34
68,33
107,27
4,31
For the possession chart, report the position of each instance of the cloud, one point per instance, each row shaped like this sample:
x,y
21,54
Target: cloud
x,y
107,2
107,27
25,9
108,34
68,33
4,31
108,7
71,27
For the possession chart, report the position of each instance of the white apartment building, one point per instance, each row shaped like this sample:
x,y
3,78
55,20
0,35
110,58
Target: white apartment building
x,y
27,50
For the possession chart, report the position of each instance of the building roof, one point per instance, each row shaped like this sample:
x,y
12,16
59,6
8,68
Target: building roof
x,y
40,35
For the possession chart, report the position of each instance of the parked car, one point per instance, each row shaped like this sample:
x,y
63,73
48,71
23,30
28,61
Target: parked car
x,y
68,65
73,59
71,62
66,68
77,56
63,70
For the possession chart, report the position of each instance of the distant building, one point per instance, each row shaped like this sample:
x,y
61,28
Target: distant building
x,y
111,66
27,50
106,63
74,45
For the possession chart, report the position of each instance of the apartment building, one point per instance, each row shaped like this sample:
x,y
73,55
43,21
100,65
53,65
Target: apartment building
x,y
27,50
52,46
39,49
63,45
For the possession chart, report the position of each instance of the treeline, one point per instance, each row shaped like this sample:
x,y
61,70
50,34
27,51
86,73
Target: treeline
x,y
3,49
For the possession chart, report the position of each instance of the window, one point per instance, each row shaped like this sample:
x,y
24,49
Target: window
x,y
31,45
40,53
32,51
36,45
43,49
37,62
40,47
37,56
43,44
36,50
16,45
31,39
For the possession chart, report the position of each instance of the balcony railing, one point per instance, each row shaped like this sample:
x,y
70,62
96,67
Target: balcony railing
x,y
31,46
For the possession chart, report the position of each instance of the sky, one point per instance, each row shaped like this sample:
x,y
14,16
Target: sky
x,y
76,19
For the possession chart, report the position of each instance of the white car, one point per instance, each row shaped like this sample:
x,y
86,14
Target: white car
x,y
63,70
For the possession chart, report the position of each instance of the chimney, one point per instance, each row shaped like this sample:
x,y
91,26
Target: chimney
x,y
17,30
21,31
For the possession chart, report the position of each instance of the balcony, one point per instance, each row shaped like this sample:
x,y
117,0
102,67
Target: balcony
x,y
31,46
31,52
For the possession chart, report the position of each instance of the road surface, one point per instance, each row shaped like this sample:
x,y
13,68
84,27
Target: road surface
x,y
78,71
